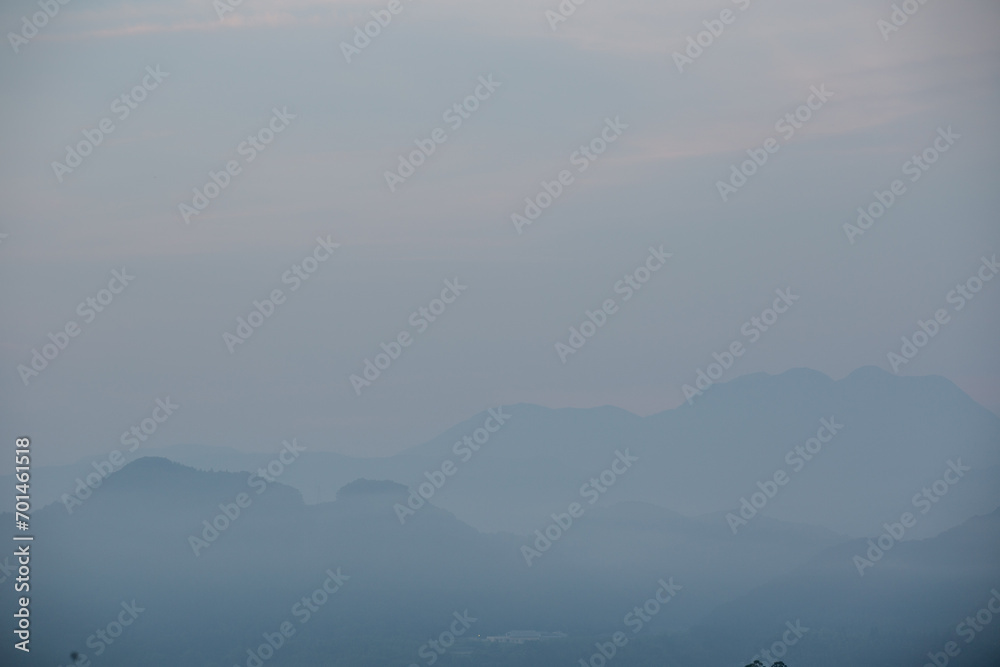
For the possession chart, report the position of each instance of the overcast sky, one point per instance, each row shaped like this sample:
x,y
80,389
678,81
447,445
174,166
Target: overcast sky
x,y
609,68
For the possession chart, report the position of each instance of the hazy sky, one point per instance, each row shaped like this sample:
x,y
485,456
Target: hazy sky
x,y
554,91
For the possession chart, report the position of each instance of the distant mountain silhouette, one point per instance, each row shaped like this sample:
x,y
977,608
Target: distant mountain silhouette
x,y
898,435
926,586
406,580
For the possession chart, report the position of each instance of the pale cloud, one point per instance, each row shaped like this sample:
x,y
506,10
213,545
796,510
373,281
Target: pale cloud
x,y
657,183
